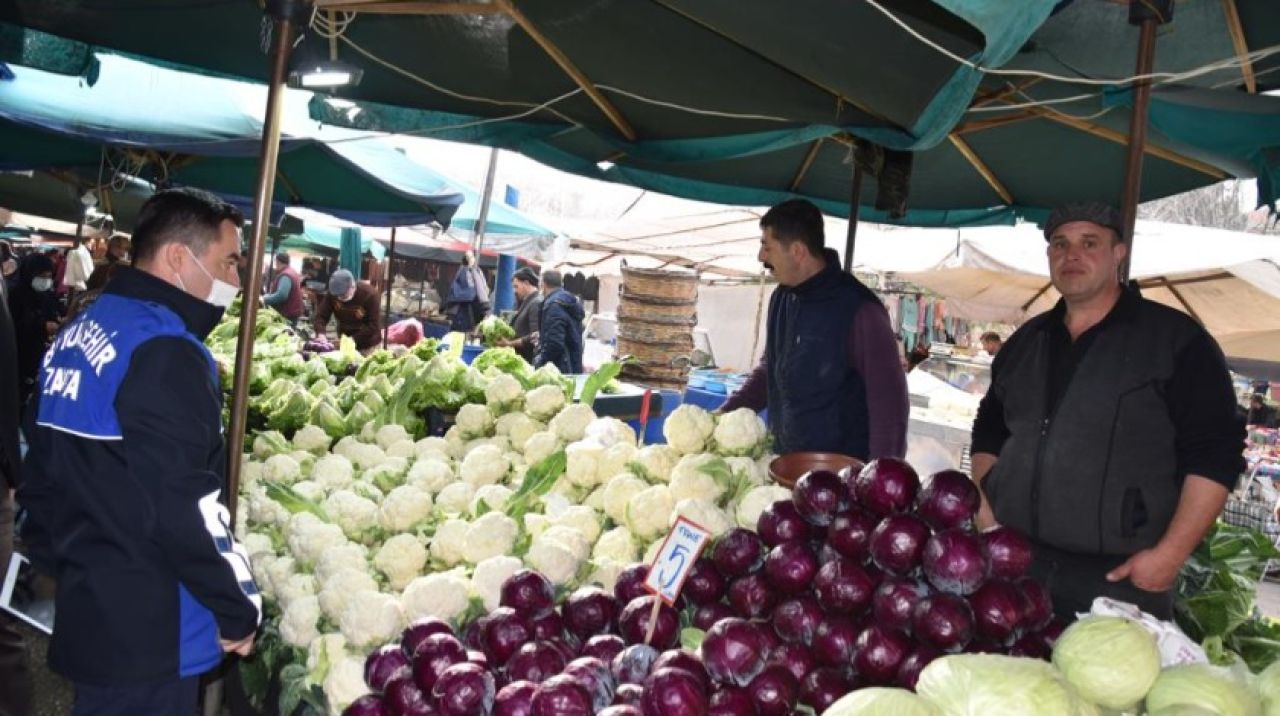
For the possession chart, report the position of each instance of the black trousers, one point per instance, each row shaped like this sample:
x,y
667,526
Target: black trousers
x,y
1075,580
167,698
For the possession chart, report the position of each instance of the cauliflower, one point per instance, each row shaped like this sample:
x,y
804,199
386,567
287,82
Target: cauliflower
x,y
310,491
263,510
455,498
371,619
504,394
615,460
519,428
313,439
543,402
656,461
403,508
618,491
431,445
405,450
492,534
388,473
295,588
391,434
269,443
703,513
757,500
250,472
609,432
535,524
581,518
278,571
333,472
571,423
740,432
444,596
595,500
486,465
344,683
260,565
299,622
568,538
747,469
688,429
555,561
367,490
356,515
474,421
341,558
401,559
281,468
690,480
618,545
450,541
648,511
495,496
336,592
540,446
430,475
651,553
606,573
457,443
322,654
256,542
582,466
486,581
308,543
362,455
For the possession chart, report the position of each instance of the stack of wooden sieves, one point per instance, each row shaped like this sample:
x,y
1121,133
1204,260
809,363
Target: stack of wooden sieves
x,y
656,316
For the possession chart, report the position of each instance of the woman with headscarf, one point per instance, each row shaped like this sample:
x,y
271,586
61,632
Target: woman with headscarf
x,y
468,299
34,308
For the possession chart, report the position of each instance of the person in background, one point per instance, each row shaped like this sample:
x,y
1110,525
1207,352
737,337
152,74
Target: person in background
x,y
528,314
918,355
559,326
36,314
284,293
79,268
117,255
1260,413
1110,435
991,343
831,373
125,473
15,671
354,306
468,299
8,261
59,257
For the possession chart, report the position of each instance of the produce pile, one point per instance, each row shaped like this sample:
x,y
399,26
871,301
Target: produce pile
x,y
493,329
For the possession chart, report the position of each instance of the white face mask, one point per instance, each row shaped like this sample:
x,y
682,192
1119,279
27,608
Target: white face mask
x,y
42,283
221,293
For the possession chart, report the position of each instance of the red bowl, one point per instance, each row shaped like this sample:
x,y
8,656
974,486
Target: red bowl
x,y
786,469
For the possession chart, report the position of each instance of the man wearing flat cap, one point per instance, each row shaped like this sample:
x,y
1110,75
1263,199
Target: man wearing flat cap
x,y
354,305
1109,436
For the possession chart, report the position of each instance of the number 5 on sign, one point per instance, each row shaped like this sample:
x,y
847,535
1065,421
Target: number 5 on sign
x,y
671,567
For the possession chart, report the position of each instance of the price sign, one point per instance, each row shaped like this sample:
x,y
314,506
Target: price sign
x,y
671,567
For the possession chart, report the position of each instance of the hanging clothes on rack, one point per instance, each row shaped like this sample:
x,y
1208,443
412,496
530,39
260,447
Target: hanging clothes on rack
x,y
910,321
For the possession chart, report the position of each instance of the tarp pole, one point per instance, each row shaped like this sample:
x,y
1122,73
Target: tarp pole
x,y
391,268
855,208
1148,15
285,14
485,200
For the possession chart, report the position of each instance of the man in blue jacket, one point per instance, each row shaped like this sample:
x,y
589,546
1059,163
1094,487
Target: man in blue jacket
x,y
560,327
124,476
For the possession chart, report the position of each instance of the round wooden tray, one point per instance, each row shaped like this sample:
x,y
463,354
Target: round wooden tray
x,y
786,469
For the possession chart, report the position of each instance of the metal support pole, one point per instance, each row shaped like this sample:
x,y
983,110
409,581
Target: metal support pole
x,y
855,209
390,276
1147,18
282,43
483,219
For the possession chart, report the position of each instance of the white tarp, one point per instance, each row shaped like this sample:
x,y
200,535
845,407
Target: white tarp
x,y
1229,280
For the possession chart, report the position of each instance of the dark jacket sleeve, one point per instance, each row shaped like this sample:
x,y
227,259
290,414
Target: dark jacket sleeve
x,y
535,321
9,456
169,450
324,311
873,353
1202,406
370,333
552,334
754,393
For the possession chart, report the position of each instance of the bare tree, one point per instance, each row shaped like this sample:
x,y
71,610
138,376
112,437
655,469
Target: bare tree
x,y
1221,206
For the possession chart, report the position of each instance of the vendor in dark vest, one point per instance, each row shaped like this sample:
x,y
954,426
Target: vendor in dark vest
x,y
831,375
285,291
1110,435
528,313
354,305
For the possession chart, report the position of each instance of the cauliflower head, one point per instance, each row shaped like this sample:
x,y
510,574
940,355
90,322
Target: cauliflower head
x,y
555,561
486,581
455,498
371,619
688,429
492,534
405,450
313,539
296,587
657,462
430,475
390,434
313,439
689,480
444,596
617,545
495,496
486,465
618,492
757,500
333,472
540,446
430,445
474,421
504,394
606,572
336,592
649,511
345,683
543,402
582,464
520,428
281,468
404,507
615,461
449,543
748,469
401,559
309,490
581,518
741,432
341,558
571,423
299,623
704,513
356,515
609,432
568,538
